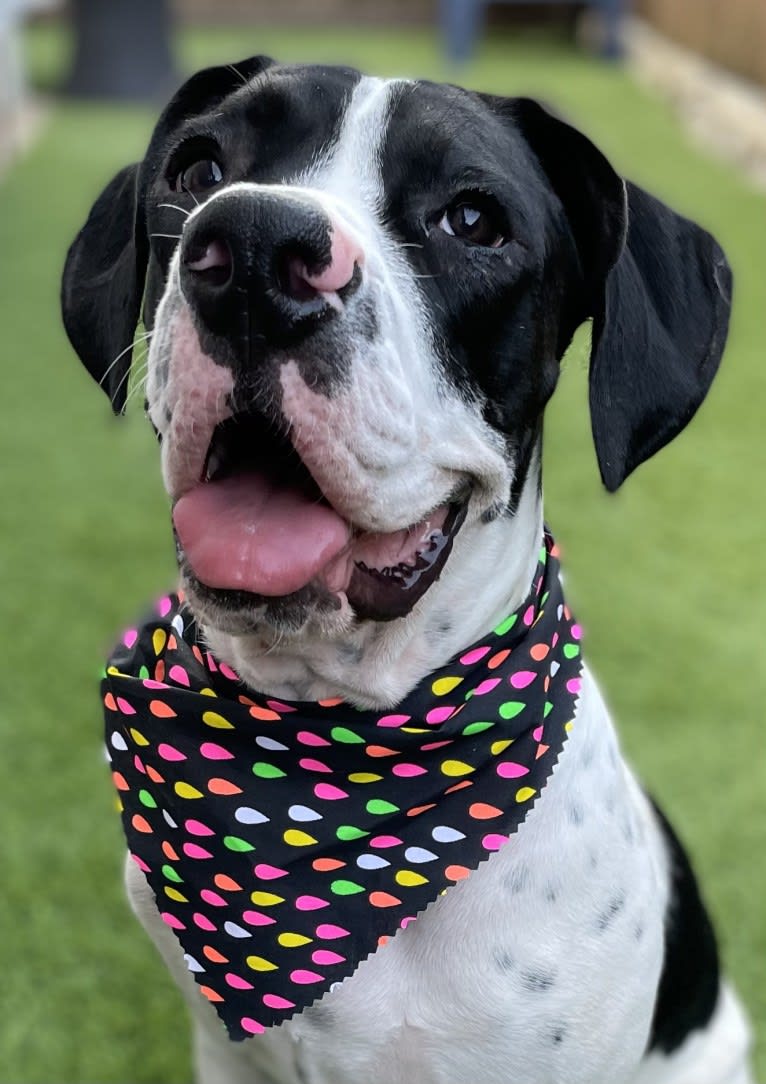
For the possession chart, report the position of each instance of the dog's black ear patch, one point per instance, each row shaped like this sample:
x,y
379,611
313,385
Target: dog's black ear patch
x,y
657,286
103,284
105,270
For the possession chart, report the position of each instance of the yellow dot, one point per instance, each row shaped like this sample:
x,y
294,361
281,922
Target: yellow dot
x,y
212,718
207,692
409,878
159,639
456,767
499,747
523,794
186,790
138,737
265,899
568,726
293,940
175,894
257,963
445,685
415,730
364,777
113,670
296,838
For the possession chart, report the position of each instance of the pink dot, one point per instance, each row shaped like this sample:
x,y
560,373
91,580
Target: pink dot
x,y
385,841
274,1001
130,637
256,918
169,752
537,733
139,764
310,903
329,792
493,841
407,771
485,687
203,922
440,714
305,737
310,765
577,632
150,683
252,1027
141,864
302,978
193,850
430,746
324,956
125,707
554,639
269,873
172,921
212,665
330,932
522,678
228,672
574,685
179,675
407,920
237,982
211,751
475,655
510,770
393,720
529,615
213,898
163,606
197,828
279,707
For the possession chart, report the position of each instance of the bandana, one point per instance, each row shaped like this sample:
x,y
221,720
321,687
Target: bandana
x,y
285,842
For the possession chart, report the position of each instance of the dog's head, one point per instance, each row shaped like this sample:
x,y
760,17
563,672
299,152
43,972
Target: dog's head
x,y
359,293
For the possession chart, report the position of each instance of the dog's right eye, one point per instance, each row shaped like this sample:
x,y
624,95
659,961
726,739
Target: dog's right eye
x,y
199,176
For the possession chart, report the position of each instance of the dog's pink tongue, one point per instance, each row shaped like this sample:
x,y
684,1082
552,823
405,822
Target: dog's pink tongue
x,y
244,534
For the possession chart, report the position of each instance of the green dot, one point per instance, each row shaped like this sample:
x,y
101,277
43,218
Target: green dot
x,y
343,734
476,728
506,626
547,709
171,874
380,805
143,672
345,888
511,708
234,843
571,651
348,831
146,799
267,771
542,556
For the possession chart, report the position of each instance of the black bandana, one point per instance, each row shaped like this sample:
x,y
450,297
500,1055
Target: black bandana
x,y
285,842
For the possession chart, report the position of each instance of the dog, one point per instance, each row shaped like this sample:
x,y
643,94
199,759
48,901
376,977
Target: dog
x,y
358,293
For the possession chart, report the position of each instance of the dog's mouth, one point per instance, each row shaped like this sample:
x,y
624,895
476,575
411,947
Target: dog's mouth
x,y
258,523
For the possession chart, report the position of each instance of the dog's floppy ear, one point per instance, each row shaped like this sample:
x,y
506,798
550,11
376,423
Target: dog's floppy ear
x,y
657,286
105,269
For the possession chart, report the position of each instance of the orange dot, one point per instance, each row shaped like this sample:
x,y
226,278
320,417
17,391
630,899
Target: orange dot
x,y
498,659
227,884
383,899
383,941
246,700
326,865
120,781
332,702
418,809
197,654
380,751
110,702
214,955
161,710
159,670
141,824
459,786
266,715
223,786
457,873
210,994
539,651
153,774
172,642
481,811
170,852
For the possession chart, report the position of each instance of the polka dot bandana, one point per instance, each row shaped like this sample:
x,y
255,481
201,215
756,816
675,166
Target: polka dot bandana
x,y
285,842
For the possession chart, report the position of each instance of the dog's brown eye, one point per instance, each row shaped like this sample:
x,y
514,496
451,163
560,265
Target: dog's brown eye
x,y
472,223
199,176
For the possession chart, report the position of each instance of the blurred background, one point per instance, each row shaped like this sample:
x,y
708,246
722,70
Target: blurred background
x,y
667,576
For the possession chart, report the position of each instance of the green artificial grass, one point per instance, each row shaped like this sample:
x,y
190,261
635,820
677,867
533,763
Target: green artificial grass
x,y
666,577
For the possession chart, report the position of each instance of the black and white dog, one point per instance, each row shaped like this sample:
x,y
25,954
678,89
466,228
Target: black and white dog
x,y
366,287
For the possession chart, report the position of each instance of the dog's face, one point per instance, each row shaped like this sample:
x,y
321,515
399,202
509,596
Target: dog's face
x,y
359,293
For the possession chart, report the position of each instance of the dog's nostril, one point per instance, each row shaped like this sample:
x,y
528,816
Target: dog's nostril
x,y
293,276
213,260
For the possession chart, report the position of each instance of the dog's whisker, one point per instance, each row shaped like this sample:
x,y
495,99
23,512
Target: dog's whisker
x,y
169,236
131,346
175,207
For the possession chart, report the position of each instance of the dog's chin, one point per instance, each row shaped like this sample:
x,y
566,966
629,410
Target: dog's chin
x,y
371,594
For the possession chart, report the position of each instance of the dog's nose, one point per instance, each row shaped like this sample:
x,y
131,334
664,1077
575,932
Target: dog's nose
x,y
267,266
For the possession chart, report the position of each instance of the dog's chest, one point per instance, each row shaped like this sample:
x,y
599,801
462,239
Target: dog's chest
x,y
534,961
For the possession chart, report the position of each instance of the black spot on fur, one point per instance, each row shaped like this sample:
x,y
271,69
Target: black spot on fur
x,y
558,1035
575,815
505,961
537,982
613,909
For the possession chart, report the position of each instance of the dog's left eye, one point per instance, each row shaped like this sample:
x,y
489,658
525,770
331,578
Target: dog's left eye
x,y
199,176
471,222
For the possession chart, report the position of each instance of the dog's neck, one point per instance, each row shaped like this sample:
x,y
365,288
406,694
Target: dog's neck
x,y
375,665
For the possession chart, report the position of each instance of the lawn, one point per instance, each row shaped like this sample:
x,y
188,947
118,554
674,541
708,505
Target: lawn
x,y
666,577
